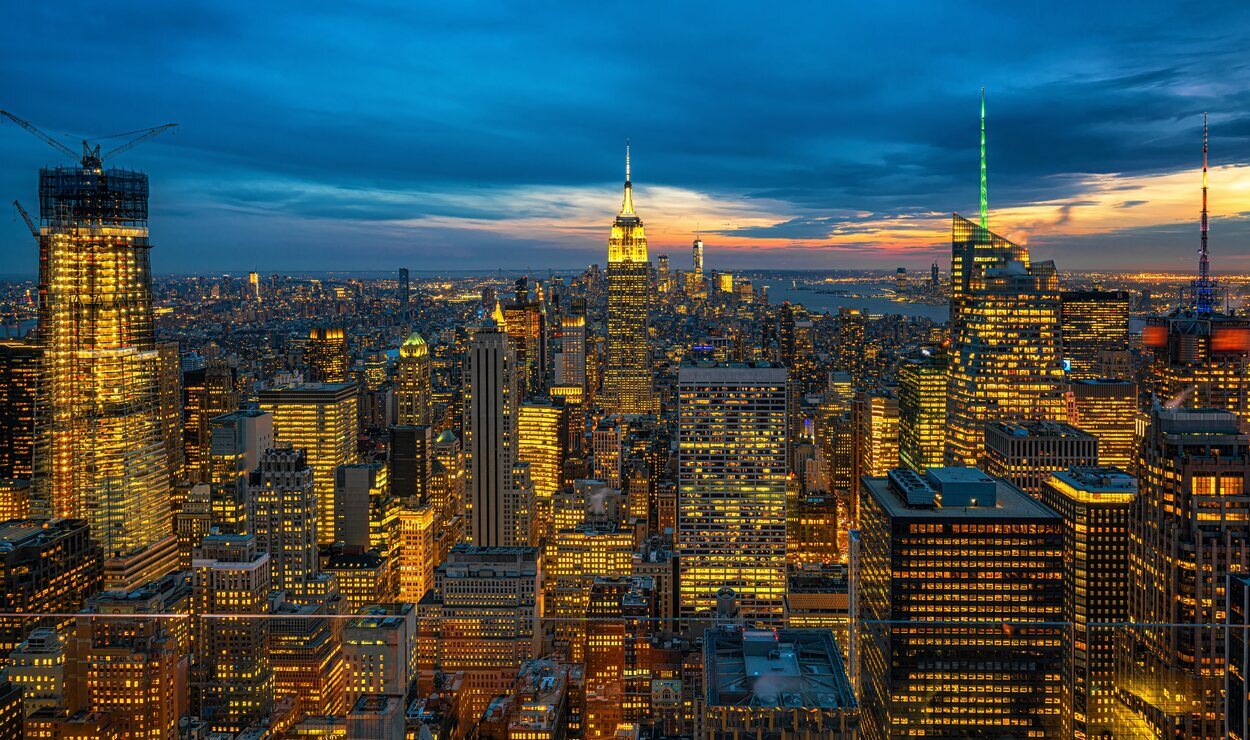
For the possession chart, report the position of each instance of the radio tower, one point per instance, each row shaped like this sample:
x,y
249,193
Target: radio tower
x,y
1204,289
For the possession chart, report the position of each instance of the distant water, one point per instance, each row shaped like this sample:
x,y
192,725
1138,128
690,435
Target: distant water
x,y
874,306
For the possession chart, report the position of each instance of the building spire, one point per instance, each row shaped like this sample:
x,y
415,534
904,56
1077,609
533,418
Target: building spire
x,y
1204,293
627,207
985,198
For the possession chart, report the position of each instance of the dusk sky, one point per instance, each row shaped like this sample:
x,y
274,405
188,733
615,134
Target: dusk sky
x,y
365,136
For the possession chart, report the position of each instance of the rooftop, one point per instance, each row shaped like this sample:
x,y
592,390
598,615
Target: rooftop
x,y
1009,502
775,668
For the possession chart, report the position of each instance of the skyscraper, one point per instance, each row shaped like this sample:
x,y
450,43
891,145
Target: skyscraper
x,y
403,288
731,524
282,514
1094,504
571,369
957,650
100,452
1025,453
1005,340
922,412
493,505
627,376
319,418
1107,409
19,375
237,441
412,383
326,355
1194,463
1095,328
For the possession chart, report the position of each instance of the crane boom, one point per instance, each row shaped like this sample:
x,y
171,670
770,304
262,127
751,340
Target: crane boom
x,y
30,224
149,134
46,139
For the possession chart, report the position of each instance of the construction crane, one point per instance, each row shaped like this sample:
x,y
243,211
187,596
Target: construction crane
x,y
91,158
30,224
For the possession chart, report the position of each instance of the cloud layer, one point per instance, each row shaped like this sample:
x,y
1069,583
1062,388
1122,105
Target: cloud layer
x,y
375,135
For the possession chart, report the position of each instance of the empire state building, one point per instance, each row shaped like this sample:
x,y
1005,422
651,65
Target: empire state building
x,y
627,377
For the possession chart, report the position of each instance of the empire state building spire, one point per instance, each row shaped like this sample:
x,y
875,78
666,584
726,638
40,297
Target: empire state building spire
x,y
627,206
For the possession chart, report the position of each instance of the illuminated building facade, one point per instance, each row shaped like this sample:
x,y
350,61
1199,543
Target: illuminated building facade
x,y
571,365
1025,453
1095,326
319,418
100,453
237,441
731,523
922,412
306,650
14,499
524,322
38,667
380,648
1200,361
413,389
19,375
575,558
282,515
47,567
966,674
363,576
488,602
1005,360
542,434
134,667
876,441
233,673
326,355
207,393
169,386
418,553
498,514
1107,409
627,375
851,350
1189,528
1094,503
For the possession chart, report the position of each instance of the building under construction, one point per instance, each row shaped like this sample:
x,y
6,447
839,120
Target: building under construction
x,y
100,451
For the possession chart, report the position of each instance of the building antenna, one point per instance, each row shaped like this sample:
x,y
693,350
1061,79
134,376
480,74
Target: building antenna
x,y
985,198
1203,291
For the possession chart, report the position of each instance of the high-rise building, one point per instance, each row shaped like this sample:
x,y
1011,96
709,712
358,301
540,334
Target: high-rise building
x,y
922,412
542,434
403,288
1094,324
731,523
571,365
380,648
851,349
282,516
1025,453
526,328
412,383
366,515
411,462
48,567
233,673
498,514
1107,409
326,355
627,374
100,452
319,418
1199,361
418,552
1005,358
19,376
1237,672
38,667
132,664
169,384
1189,528
877,428
486,610
253,286
207,392
237,441
306,650
1094,504
966,650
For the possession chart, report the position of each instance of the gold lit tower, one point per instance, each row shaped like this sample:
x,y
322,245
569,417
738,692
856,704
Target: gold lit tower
x,y
100,449
326,355
413,389
627,377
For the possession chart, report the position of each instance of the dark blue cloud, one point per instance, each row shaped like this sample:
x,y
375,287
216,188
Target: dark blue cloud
x,y
296,117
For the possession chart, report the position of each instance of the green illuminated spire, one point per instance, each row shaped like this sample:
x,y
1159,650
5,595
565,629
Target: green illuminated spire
x,y
985,198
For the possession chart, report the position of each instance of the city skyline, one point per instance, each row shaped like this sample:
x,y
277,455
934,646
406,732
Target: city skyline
x,y
799,150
